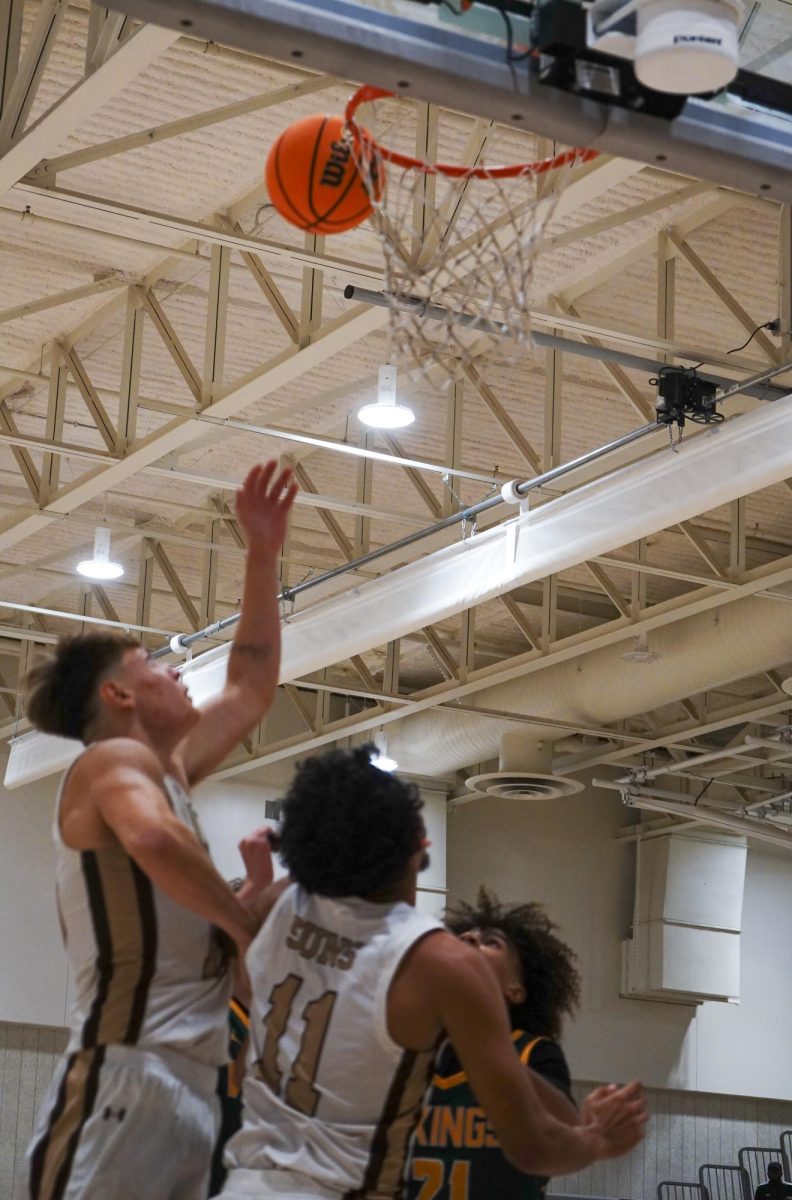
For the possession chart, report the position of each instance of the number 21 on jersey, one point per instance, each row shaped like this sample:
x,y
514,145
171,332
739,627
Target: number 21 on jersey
x,y
299,1092
429,1172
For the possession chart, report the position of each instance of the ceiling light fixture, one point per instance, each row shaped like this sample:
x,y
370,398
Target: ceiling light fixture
x,y
380,759
100,566
386,413
641,653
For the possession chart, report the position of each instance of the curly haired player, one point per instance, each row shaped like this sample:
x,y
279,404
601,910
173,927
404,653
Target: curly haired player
x,y
455,1152
351,990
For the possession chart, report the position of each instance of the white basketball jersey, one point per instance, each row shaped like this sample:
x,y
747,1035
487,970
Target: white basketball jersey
x,y
328,1093
147,972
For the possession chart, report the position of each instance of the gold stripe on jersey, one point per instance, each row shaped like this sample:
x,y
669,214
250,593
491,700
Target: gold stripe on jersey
x,y
124,923
52,1159
446,1082
527,1051
400,1115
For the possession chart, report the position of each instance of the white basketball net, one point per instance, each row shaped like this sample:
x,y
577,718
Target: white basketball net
x,y
459,254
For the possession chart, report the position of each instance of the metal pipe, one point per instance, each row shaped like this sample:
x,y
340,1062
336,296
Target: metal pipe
x,y
325,443
654,800
768,803
722,142
463,517
673,768
769,744
66,616
435,312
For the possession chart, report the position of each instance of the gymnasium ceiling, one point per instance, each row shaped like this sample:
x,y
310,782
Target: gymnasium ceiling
x,y
145,276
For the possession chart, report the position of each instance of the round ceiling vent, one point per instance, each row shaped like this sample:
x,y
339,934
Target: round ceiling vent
x,y
523,785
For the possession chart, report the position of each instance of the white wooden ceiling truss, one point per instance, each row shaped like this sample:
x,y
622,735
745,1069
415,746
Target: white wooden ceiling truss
x,y
161,329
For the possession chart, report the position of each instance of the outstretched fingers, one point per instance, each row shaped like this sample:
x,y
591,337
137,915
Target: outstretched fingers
x,y
264,483
283,485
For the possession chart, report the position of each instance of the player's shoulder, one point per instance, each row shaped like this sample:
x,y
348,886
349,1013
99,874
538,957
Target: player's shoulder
x,y
445,961
114,754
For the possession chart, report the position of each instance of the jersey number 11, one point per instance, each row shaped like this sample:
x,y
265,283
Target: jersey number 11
x,y
300,1092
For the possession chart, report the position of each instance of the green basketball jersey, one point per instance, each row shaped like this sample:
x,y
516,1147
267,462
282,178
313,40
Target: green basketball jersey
x,y
455,1155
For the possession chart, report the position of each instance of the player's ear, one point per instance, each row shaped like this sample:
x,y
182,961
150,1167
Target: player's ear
x,y
114,694
515,993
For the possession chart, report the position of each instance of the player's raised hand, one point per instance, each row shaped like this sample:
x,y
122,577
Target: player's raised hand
x,y
256,850
263,504
618,1116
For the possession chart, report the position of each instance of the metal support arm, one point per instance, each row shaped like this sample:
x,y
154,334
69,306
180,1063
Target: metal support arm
x,y
719,141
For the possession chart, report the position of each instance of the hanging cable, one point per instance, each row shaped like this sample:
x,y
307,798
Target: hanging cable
x,y
703,791
773,326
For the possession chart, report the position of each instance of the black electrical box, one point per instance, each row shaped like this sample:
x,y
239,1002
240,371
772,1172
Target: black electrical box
x,y
559,27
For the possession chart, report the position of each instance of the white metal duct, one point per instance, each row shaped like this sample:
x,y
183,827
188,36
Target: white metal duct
x,y
717,466
706,650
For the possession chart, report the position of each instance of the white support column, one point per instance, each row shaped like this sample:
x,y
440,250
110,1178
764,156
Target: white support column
x,y
426,190
312,289
130,375
211,564
111,33
737,561
216,318
666,293
365,480
50,468
554,394
97,16
26,648
31,68
785,281
10,40
638,583
145,583
549,613
467,649
174,582
454,425
390,678
284,564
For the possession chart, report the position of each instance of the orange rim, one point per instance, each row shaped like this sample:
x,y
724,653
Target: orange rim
x,y
453,170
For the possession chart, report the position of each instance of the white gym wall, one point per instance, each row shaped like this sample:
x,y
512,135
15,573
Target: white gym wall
x,y
720,1074
564,854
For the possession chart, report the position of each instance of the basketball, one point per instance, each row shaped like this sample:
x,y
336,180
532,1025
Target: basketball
x,y
313,180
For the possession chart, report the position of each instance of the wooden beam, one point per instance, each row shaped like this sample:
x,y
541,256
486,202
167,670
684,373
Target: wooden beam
x,y
724,295
173,344
174,583
518,440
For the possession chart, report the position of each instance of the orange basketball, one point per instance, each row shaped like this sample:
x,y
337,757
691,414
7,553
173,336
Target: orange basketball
x,y
313,180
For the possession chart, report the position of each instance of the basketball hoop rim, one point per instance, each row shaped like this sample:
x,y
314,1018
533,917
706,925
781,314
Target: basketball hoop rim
x,y
362,138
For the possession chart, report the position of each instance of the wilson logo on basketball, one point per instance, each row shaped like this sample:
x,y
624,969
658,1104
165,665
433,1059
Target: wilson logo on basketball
x,y
335,167
314,180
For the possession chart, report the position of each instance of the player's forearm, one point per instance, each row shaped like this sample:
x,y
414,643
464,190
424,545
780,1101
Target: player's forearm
x,y
554,1100
550,1147
181,869
254,660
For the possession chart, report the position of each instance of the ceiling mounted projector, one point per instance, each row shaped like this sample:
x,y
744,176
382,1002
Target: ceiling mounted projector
x,y
684,47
